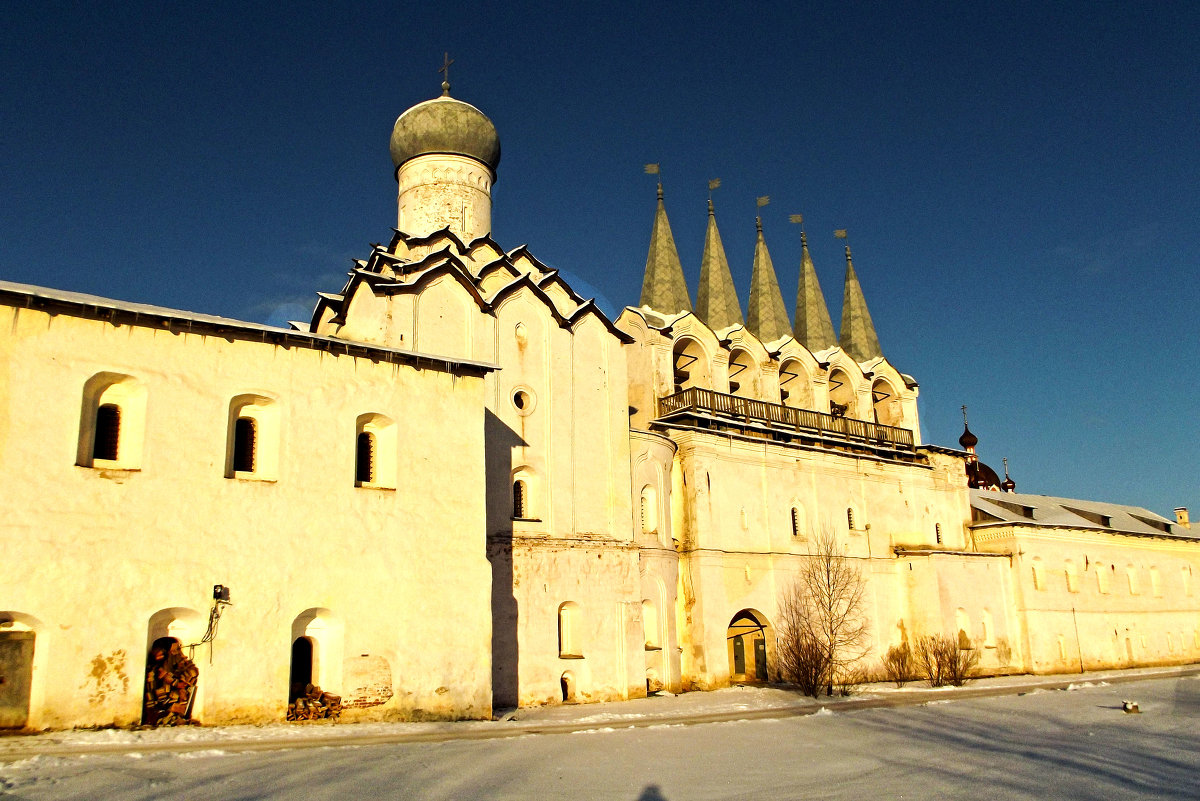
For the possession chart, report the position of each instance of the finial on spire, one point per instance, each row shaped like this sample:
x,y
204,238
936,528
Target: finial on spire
x,y
660,195
710,208
445,70
964,411
714,183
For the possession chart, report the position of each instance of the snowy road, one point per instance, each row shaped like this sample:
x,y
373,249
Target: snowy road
x,y
1044,744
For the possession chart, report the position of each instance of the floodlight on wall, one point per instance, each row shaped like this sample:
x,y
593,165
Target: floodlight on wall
x,y
221,594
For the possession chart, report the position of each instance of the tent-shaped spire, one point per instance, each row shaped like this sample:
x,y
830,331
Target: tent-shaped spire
x,y
858,332
813,328
716,299
664,288
766,316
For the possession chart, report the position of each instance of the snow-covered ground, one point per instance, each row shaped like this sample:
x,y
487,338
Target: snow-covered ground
x,y
1073,742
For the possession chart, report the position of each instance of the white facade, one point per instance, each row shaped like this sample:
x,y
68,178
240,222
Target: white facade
x,y
464,488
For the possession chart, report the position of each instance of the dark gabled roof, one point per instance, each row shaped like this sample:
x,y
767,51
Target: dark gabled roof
x,y
119,312
1011,508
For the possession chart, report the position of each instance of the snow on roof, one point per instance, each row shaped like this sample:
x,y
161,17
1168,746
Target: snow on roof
x,y
1044,510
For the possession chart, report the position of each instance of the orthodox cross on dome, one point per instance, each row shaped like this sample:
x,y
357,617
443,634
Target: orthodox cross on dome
x,y
445,70
964,410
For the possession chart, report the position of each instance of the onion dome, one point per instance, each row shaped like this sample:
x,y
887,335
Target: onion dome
x,y
1008,485
445,125
968,440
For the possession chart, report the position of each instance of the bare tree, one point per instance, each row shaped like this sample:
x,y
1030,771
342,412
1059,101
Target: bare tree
x,y
822,621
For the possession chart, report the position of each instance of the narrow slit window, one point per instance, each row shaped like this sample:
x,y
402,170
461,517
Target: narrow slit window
x,y
850,518
108,432
244,436
364,463
795,522
520,499
937,532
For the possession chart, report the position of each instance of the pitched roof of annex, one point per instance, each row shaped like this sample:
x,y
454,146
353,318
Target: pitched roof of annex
x,y
1011,508
94,307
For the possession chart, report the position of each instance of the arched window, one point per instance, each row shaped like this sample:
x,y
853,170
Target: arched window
x,y
1072,574
1103,578
520,498
112,422
108,432
252,451
1039,578
1185,574
649,509
1155,583
245,445
364,458
799,522
850,518
569,645
1131,574
375,451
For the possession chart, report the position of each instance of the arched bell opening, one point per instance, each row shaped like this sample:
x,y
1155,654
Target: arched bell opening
x,y
743,374
690,366
841,395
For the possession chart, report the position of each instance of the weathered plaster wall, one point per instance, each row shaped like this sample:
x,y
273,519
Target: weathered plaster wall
x,y
1095,617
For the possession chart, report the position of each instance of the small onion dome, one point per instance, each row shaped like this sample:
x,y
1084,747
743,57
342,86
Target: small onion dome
x,y
968,440
445,125
1008,485
980,476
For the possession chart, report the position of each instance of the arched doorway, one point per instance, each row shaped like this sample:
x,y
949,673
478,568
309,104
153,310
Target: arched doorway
x,y
171,680
747,645
16,676
301,674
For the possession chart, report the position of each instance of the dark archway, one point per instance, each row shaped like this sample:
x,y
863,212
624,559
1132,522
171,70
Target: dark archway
x,y
747,643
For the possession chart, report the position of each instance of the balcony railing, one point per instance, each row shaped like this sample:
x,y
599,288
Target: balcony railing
x,y
784,420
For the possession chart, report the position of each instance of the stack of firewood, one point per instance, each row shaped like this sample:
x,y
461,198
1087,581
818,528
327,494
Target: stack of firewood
x,y
170,687
315,704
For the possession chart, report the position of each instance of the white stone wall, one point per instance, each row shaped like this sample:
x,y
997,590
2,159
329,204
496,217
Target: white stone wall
x,y
94,555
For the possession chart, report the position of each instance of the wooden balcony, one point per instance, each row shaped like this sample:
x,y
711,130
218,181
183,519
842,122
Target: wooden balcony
x,y
708,409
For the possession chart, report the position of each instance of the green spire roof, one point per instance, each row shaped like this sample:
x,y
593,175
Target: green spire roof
x,y
663,288
766,316
716,299
813,328
858,332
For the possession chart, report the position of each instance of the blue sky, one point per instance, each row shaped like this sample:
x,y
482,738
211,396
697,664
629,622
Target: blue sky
x,y
1019,180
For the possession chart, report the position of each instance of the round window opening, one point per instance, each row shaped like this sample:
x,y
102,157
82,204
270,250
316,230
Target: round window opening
x,y
522,399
